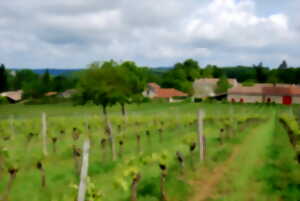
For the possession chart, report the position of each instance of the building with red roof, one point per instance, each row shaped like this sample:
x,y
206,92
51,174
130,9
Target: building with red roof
x,y
154,91
265,93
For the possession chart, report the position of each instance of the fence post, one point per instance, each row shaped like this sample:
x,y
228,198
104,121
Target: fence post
x,y
84,171
201,140
44,133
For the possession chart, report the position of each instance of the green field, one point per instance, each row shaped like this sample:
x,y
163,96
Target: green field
x,y
252,159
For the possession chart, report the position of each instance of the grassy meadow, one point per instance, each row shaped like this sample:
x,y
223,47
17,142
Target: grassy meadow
x,y
248,152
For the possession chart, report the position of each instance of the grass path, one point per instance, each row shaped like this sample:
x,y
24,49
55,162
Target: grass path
x,y
233,180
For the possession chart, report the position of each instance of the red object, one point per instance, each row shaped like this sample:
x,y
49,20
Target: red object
x,y
168,93
287,100
241,100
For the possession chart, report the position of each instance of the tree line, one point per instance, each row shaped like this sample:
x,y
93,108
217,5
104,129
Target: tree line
x,y
123,82
33,84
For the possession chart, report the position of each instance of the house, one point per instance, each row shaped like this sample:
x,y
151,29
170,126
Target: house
x,y
13,96
265,93
205,87
154,91
51,93
68,93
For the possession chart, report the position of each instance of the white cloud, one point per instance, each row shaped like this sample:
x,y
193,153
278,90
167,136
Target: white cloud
x,y
75,32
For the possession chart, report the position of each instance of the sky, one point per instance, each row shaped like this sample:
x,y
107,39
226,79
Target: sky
x,y
74,33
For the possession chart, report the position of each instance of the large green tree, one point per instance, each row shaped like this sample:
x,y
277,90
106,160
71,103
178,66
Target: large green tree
x,y
109,83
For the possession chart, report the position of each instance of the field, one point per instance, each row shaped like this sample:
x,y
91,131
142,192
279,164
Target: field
x,y
250,153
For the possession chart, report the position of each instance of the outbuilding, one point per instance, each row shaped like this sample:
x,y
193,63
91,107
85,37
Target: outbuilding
x,y
265,93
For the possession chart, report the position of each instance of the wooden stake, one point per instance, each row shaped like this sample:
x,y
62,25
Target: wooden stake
x,y
201,135
111,139
84,171
44,133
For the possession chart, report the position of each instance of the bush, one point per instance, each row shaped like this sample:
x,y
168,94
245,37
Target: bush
x,y
3,100
46,100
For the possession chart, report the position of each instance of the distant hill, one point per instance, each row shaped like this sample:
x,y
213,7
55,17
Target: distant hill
x,y
53,71
161,69
67,71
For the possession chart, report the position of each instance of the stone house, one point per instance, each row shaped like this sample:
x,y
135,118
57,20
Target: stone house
x,y
265,93
205,87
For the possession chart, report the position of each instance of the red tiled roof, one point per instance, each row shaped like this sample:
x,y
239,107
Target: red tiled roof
x,y
154,85
51,93
168,93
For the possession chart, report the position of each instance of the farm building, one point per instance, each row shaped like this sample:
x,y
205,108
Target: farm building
x,y
265,93
51,93
13,96
68,93
154,91
206,87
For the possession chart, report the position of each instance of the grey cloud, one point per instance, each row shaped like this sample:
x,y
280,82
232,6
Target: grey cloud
x,y
75,32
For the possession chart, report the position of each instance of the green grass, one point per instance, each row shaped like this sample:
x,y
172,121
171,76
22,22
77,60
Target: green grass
x,y
178,127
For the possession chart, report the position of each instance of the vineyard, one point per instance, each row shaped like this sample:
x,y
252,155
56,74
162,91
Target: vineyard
x,y
157,152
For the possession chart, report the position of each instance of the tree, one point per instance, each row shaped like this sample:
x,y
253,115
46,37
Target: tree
x,y
222,85
283,65
99,84
261,73
3,78
131,84
22,77
46,81
182,76
272,77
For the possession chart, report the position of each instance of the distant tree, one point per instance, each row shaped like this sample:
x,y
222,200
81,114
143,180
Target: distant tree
x,y
217,72
208,72
222,85
283,65
100,84
273,77
3,78
22,77
261,73
182,76
33,89
61,83
46,81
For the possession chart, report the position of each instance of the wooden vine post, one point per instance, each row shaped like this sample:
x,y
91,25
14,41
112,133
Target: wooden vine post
x,y
111,139
84,171
201,138
44,133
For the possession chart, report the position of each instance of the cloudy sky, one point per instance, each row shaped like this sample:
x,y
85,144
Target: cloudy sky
x,y
73,33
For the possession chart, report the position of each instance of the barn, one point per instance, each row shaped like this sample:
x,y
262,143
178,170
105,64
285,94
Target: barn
x,y
265,93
